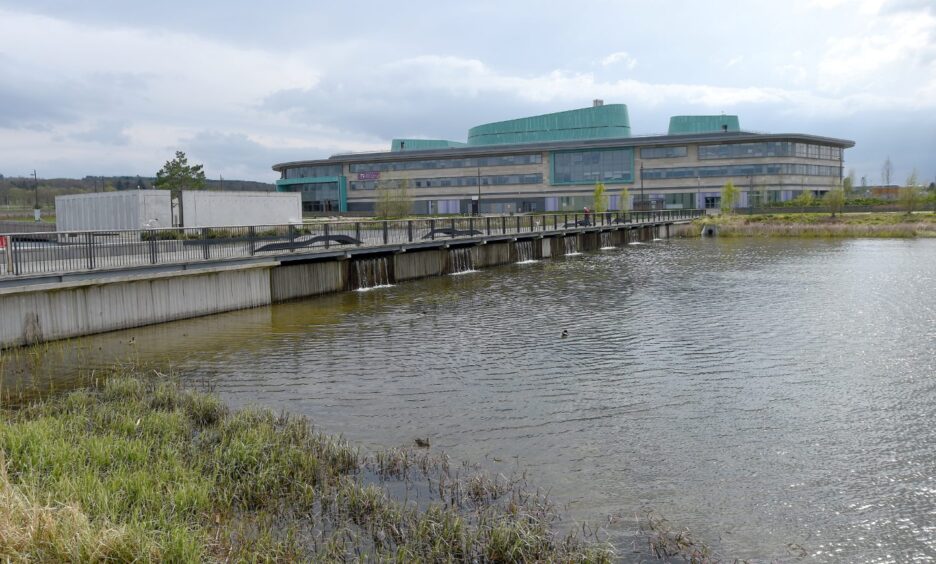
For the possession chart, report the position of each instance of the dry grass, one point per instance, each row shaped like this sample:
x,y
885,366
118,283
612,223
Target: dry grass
x,y
140,469
817,225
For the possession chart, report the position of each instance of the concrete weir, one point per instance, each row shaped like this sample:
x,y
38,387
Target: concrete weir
x,y
48,309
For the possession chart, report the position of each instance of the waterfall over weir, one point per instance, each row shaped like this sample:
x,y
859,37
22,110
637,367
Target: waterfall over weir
x,y
606,240
461,261
571,245
371,273
524,252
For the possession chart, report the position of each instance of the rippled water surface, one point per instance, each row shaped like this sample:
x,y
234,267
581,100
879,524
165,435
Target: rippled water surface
x,y
768,395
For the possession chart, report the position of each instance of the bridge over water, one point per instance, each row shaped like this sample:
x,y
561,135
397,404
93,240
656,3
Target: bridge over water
x,y
62,284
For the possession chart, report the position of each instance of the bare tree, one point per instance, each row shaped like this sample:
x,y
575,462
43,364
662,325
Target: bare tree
x,y
887,170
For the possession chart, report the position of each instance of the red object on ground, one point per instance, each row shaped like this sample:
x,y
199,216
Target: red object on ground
x,y
3,242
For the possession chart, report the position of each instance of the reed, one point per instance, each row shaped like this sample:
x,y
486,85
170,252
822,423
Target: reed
x,y
136,467
820,226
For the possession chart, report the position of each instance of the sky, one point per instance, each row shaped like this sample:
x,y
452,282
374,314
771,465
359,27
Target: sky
x,y
110,87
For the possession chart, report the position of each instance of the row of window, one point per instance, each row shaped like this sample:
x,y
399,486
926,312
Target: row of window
x,y
593,166
663,152
769,149
740,170
314,190
451,181
429,164
312,171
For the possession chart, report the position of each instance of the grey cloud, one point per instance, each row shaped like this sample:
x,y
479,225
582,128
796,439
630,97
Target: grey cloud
x,y
105,132
221,152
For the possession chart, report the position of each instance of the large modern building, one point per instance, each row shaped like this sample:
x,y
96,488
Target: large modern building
x,y
552,162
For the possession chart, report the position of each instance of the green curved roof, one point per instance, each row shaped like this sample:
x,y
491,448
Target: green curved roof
x,y
597,122
679,125
422,144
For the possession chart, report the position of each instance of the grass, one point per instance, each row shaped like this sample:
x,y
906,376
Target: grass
x,y
138,468
821,225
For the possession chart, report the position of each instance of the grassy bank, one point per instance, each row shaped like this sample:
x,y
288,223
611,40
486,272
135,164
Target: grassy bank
x,y
821,225
136,468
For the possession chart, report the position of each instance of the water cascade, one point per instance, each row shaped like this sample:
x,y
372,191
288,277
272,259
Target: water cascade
x,y
461,260
372,273
571,245
524,252
606,241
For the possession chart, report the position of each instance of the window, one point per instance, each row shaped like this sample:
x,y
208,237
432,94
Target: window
x,y
431,164
589,167
740,170
663,152
312,171
452,181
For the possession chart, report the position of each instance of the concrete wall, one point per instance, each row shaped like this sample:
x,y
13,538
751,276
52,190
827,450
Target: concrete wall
x,y
57,311
225,209
298,281
419,264
130,209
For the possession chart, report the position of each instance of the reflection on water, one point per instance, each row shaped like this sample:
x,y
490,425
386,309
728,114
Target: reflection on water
x,y
762,393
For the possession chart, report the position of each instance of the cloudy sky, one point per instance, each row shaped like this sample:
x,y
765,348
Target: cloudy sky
x,y
110,87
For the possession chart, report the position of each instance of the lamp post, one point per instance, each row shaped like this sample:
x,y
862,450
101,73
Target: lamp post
x,y
36,212
698,196
479,191
643,201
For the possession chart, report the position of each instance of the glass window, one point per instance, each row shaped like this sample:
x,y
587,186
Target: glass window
x,y
451,181
312,171
431,164
743,150
739,170
588,167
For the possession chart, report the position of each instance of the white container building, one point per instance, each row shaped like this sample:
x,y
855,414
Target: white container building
x,y
226,209
131,209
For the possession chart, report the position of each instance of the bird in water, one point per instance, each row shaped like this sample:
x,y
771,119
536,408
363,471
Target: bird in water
x,y
422,443
565,333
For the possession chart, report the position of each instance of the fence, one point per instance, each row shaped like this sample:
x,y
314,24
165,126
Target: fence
x,y
25,254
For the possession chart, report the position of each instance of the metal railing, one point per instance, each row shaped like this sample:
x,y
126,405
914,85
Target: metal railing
x,y
61,252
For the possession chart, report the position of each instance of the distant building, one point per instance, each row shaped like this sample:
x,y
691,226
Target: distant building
x,y
884,192
552,162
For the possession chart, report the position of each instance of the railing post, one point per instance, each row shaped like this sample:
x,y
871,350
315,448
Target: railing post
x,y
556,222
9,255
252,239
471,225
11,250
292,237
89,243
531,223
575,220
518,224
409,230
386,233
326,236
487,220
207,251
453,228
432,228
503,225
152,246
357,232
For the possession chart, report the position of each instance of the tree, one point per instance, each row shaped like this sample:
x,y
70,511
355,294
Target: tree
x,y
848,184
887,170
600,200
393,199
834,199
761,196
805,198
177,175
624,201
909,196
729,197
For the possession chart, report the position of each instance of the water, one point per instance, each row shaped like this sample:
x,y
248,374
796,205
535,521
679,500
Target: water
x,y
461,261
764,394
524,252
371,273
606,241
571,245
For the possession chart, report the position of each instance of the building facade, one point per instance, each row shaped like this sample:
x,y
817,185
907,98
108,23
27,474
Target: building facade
x,y
552,162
